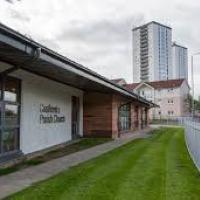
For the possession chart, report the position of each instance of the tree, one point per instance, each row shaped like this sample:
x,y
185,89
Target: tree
x,y
189,102
197,105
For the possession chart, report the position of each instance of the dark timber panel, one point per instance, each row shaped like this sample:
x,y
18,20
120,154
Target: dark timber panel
x,y
97,114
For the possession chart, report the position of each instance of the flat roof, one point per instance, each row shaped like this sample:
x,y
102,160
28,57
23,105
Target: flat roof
x,y
19,50
178,45
152,22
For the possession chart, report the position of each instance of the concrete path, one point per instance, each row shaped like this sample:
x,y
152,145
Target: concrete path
x,y
19,180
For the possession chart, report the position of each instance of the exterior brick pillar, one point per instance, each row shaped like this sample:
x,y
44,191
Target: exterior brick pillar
x,y
133,116
115,130
148,116
136,117
139,118
143,118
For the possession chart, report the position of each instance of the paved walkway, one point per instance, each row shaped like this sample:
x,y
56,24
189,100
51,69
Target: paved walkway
x,y
19,180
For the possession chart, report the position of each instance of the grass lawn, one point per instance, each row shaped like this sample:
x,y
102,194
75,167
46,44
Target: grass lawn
x,y
157,168
82,144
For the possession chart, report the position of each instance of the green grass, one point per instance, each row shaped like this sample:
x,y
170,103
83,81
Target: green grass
x,y
158,167
8,170
84,143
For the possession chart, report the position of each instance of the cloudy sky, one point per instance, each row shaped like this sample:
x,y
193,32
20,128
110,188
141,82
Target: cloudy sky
x,y
97,33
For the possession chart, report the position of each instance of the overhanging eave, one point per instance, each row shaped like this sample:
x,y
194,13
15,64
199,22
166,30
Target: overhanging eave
x,y
18,50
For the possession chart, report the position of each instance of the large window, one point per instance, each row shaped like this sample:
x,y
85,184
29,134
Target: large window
x,y
125,117
9,114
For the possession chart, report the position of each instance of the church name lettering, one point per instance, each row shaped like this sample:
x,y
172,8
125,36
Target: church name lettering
x,y
50,114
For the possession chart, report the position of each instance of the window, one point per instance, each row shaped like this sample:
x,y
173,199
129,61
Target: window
x,y
11,90
124,117
10,140
170,101
142,92
9,114
170,112
170,90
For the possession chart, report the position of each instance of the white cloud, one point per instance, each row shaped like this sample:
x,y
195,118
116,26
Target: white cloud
x,y
98,33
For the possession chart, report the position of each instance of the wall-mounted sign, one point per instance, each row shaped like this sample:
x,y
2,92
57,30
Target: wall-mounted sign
x,y
50,114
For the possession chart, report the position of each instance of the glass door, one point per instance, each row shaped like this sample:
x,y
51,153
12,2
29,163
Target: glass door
x,y
9,110
75,117
125,117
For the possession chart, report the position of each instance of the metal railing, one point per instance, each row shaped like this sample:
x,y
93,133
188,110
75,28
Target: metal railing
x,y
169,121
192,138
192,134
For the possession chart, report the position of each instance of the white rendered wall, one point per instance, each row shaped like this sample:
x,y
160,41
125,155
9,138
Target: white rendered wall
x,y
35,91
161,97
179,105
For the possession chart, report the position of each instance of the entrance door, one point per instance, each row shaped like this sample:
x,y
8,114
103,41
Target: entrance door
x,y
9,110
75,117
125,117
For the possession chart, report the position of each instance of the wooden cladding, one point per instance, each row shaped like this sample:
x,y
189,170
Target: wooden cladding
x,y
97,115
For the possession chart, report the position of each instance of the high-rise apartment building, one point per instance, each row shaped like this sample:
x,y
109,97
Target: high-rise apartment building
x,y
152,52
179,61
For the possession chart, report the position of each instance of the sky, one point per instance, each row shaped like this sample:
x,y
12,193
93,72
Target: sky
x,y
97,33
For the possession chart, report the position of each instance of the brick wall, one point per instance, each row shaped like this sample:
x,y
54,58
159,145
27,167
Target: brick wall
x,y
134,116
116,102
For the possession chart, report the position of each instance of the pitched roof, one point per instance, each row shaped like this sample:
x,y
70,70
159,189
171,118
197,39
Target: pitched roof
x,y
16,49
167,84
131,86
173,83
117,80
